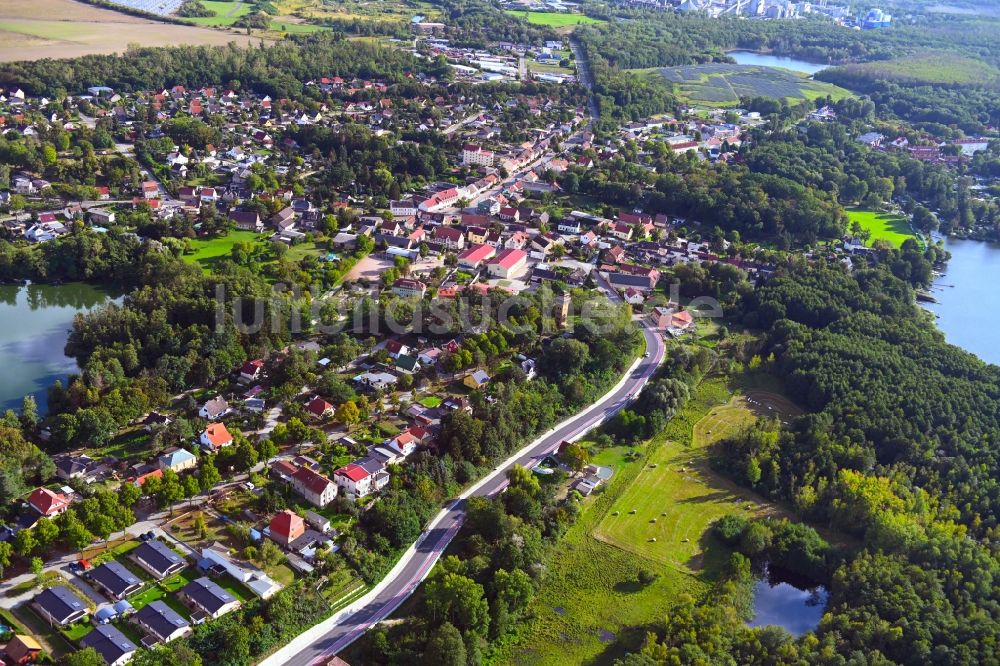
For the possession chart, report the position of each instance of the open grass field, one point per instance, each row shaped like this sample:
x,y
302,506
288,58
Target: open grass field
x,y
665,512
887,227
226,13
932,67
722,85
554,19
210,251
33,29
590,608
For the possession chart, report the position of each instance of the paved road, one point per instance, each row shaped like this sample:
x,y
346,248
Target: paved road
x,y
417,562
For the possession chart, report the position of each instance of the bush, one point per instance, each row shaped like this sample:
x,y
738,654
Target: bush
x,y
730,528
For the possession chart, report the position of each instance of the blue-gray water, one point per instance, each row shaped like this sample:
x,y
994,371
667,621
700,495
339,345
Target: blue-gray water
x,y
785,605
968,306
35,321
766,60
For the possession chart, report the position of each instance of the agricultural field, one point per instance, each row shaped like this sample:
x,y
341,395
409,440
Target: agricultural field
x,y
722,85
888,227
34,29
554,19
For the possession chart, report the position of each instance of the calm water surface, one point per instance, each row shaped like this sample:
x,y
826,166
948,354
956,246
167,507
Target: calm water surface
x,y
35,321
968,306
796,607
766,60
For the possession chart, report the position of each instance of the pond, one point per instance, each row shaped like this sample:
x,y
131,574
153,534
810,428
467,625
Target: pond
x,y
768,60
35,321
788,601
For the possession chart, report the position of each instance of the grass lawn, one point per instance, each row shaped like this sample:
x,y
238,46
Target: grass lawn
x,y
887,227
281,573
207,252
431,401
77,630
554,19
226,13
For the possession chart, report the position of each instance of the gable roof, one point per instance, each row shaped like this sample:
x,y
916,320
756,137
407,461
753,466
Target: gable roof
x,y
353,472
158,556
109,642
161,619
47,502
314,481
59,602
286,523
115,578
208,595
178,457
217,434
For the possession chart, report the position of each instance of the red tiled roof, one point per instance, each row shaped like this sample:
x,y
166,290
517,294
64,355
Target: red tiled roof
x,y
318,406
287,524
353,472
47,502
314,481
509,258
217,434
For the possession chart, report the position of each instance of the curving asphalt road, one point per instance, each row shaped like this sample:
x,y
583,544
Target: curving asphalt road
x,y
343,629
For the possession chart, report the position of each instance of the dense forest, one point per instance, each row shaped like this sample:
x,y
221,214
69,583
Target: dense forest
x,y
278,70
897,450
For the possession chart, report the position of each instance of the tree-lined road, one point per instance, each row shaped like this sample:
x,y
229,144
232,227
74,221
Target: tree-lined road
x,y
326,639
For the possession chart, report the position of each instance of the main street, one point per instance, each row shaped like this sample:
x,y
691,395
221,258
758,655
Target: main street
x,y
326,639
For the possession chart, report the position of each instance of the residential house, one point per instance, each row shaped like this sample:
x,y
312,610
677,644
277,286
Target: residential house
x,y
101,217
157,558
206,596
178,460
451,237
477,155
476,380
313,486
115,580
150,190
71,467
408,288
214,409
321,523
21,649
162,622
48,502
395,348
111,644
407,363
319,408
286,527
247,220
59,606
359,479
215,437
250,372
254,579
476,235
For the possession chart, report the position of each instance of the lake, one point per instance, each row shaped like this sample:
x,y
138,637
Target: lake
x,y
767,60
782,600
968,306
35,321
